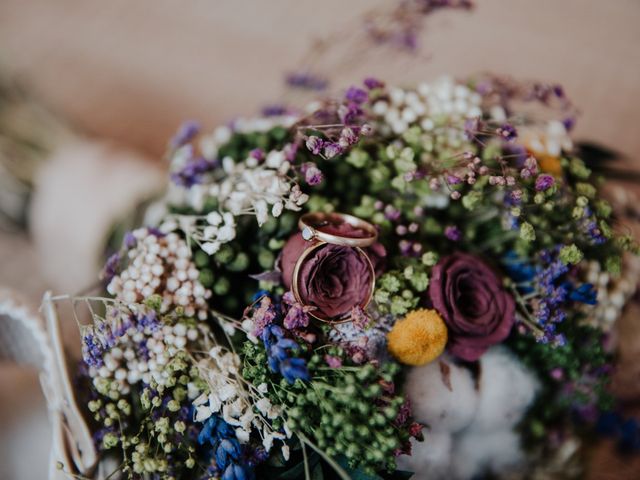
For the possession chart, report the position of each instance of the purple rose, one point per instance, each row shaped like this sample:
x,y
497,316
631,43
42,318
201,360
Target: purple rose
x,y
333,278
477,310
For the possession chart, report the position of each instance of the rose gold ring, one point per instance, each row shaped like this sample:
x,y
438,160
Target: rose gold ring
x,y
346,317
312,223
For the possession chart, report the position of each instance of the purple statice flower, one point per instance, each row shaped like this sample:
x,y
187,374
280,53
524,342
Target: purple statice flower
x,y
187,131
274,110
366,130
297,317
472,127
359,318
312,174
332,149
257,153
507,132
391,213
594,233
372,83
306,81
333,361
544,182
530,168
453,180
348,137
193,172
349,112
92,350
110,268
569,123
405,247
558,91
517,153
356,95
315,144
263,316
129,241
453,233
150,320
290,150
156,232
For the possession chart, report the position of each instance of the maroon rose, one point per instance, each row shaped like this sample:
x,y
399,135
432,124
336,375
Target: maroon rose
x,y
333,278
477,310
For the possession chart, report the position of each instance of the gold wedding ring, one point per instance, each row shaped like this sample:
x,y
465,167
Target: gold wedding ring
x,y
311,225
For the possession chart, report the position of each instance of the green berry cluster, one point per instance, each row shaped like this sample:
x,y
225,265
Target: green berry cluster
x,y
400,291
148,427
346,411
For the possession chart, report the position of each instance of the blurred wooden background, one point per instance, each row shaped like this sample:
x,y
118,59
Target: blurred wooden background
x,y
133,70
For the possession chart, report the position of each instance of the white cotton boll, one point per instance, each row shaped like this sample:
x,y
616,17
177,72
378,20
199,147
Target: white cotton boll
x,y
479,452
443,396
507,388
431,459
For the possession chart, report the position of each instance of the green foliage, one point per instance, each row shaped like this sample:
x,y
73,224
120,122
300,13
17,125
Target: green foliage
x,y
344,411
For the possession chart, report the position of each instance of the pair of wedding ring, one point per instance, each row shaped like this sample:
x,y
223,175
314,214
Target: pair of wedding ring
x,y
321,229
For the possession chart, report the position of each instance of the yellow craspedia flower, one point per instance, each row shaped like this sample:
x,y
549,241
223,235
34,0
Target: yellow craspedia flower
x,y
550,164
418,338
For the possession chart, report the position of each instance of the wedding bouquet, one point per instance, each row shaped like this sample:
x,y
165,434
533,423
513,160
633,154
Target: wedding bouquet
x,y
323,292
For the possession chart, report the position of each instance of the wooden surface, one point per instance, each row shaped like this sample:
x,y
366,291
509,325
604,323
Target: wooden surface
x,y
133,70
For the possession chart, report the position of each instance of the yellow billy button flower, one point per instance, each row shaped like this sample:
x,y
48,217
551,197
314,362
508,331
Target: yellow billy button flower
x,y
550,164
418,338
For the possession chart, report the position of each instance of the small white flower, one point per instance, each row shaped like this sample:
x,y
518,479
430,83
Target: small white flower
x,y
263,405
228,392
274,159
262,212
277,208
242,435
267,441
211,247
202,413
214,218
285,452
228,165
215,402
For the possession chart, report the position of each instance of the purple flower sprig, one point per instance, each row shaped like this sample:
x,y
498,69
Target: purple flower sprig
x,y
187,132
306,81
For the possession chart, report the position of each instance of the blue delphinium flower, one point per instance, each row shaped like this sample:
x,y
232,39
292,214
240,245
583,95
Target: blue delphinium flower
x,y
225,449
521,272
279,350
585,293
